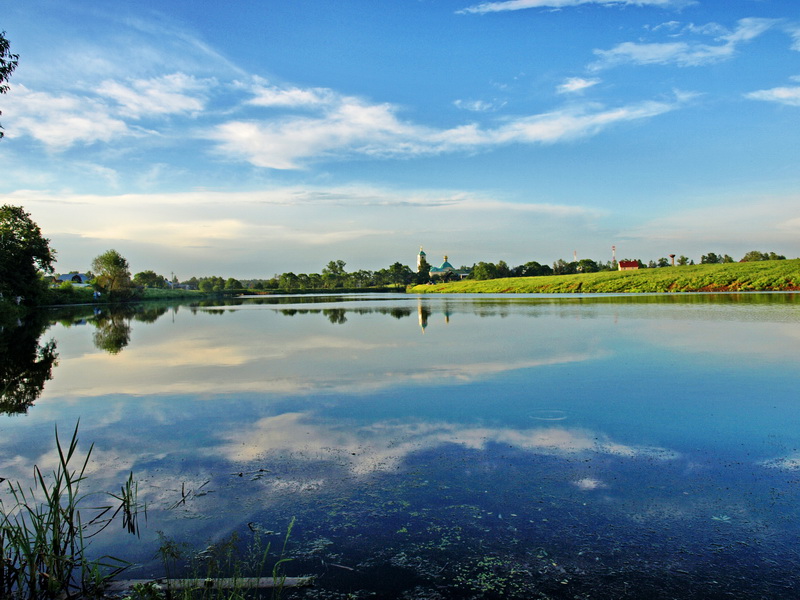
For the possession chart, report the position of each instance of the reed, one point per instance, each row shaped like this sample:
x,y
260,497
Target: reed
x,y
46,529
220,572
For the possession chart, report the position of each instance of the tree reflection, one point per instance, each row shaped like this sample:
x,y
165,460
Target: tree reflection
x,y
113,333
25,365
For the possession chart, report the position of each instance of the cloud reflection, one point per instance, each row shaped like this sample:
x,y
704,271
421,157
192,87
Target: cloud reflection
x,y
385,445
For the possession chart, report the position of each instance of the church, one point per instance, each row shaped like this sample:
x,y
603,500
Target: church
x,y
445,272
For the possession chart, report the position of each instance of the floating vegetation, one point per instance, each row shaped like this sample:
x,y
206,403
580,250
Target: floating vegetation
x,y
722,518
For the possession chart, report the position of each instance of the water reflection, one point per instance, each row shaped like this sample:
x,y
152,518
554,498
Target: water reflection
x,y
387,445
612,444
25,364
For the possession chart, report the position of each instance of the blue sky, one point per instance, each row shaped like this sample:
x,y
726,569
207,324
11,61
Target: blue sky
x,y
255,137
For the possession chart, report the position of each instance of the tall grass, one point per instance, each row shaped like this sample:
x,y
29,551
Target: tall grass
x,y
223,571
46,530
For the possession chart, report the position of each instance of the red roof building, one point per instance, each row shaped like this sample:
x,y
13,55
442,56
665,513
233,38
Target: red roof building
x,y
628,265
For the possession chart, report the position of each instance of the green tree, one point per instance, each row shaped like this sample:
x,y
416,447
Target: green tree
x,y
755,255
683,260
561,267
149,279
288,281
483,271
710,259
233,284
112,275
8,62
400,274
333,274
503,270
532,269
424,272
587,265
23,252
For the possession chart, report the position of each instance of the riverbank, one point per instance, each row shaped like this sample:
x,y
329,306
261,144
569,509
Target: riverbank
x,y
772,275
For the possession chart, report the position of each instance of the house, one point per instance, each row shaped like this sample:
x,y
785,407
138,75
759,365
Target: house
x,y
76,279
628,265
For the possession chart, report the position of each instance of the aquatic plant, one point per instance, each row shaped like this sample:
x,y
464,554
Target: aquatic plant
x,y
219,572
44,534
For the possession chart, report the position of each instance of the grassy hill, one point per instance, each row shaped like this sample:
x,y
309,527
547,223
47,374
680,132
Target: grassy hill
x,y
769,275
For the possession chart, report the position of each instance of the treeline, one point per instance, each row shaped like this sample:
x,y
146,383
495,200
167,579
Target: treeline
x,y
335,275
485,270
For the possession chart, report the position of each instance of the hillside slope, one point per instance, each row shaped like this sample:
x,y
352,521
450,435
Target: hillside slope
x,y
772,275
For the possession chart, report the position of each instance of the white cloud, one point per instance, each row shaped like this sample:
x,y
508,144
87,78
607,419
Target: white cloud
x,y
794,32
61,121
169,94
782,95
348,126
684,54
478,105
247,233
273,95
572,85
507,5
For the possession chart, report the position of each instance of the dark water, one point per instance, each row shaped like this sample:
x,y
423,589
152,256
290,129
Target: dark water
x,y
440,447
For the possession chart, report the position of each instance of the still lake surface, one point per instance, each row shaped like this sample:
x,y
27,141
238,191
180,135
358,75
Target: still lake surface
x,y
444,446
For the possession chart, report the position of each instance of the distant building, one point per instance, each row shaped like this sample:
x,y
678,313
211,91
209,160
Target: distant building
x,y
76,279
421,258
628,265
448,271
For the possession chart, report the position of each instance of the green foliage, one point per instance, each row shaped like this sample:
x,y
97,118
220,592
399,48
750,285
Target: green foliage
x,y
112,275
23,252
755,255
754,276
149,279
44,536
8,62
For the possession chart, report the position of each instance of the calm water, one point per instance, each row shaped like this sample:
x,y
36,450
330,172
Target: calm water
x,y
441,447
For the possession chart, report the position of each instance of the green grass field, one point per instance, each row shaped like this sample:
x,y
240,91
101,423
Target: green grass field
x,y
771,275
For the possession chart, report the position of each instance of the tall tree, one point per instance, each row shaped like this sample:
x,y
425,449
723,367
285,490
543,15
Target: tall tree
x,y
112,274
23,252
8,62
149,279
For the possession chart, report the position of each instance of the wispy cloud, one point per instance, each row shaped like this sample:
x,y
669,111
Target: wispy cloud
x,y
348,126
788,95
60,121
175,93
684,54
794,33
508,5
268,95
478,105
573,85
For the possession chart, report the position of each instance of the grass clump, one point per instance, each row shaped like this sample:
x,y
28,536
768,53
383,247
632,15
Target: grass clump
x,y
45,531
